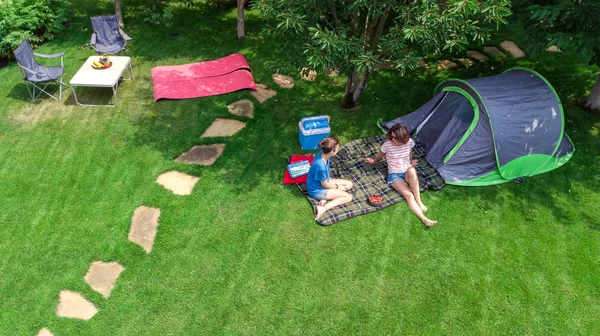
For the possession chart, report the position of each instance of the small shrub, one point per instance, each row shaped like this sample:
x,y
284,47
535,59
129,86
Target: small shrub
x,y
36,20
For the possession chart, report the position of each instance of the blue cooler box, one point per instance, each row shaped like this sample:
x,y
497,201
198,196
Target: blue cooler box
x,y
313,130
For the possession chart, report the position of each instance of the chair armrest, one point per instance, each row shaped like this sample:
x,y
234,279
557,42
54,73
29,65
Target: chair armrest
x,y
125,36
49,55
38,73
93,39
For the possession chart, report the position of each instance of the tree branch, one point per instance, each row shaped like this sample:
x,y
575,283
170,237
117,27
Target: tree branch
x,y
375,40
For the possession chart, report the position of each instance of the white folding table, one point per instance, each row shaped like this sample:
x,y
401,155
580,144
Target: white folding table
x,y
109,77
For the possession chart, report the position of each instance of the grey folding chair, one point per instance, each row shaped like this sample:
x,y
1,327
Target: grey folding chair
x,y
35,74
108,37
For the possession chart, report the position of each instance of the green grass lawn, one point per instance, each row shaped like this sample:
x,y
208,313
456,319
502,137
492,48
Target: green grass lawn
x,y
242,255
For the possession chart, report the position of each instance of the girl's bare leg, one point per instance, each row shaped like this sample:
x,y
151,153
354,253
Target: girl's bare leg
x,y
403,189
347,185
413,182
336,198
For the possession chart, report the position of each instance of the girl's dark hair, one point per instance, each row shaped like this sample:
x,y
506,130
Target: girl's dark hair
x,y
400,133
328,144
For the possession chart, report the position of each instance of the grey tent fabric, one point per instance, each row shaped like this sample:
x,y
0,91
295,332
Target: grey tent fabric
x,y
444,127
414,119
108,37
474,158
35,74
491,130
524,114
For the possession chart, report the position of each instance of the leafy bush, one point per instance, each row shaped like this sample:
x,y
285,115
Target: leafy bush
x,y
36,20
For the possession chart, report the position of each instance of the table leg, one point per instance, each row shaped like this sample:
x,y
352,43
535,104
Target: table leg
x,y
75,95
115,94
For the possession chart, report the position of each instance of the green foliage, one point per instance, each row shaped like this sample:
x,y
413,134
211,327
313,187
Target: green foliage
x,y
358,34
159,16
36,20
572,25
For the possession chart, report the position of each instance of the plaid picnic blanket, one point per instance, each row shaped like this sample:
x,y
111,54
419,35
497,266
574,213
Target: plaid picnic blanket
x,y
369,179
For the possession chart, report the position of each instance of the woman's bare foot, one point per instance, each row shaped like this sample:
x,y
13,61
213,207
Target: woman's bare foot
x,y
320,211
429,222
423,207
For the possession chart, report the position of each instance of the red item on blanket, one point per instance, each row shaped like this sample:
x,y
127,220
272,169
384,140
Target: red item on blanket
x,y
287,179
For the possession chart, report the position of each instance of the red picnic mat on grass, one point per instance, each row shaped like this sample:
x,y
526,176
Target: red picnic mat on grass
x,y
287,179
225,75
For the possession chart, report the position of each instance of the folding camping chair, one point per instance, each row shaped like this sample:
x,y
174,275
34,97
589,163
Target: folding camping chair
x,y
108,37
37,74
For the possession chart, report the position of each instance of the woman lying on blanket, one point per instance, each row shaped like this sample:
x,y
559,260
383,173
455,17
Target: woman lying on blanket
x,y
401,169
319,184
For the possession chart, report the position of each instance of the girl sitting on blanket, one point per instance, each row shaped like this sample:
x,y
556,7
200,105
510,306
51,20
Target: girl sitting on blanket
x,y
401,169
319,183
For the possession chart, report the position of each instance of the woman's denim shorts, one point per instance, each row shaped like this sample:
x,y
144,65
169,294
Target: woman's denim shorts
x,y
393,177
320,194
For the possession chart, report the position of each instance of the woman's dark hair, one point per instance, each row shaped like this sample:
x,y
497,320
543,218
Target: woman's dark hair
x,y
400,133
328,144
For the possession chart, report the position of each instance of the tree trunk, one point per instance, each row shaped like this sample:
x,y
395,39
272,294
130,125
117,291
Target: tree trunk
x,y
355,86
593,101
240,19
118,13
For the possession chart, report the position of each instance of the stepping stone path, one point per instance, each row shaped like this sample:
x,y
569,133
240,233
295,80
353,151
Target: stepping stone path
x,y
202,155
244,108
178,182
283,81
308,75
262,93
223,127
553,49
466,62
446,64
44,332
477,55
423,64
102,276
74,305
512,48
143,227
494,51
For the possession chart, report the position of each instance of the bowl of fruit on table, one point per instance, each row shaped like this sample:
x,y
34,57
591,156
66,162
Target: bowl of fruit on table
x,y
102,63
375,200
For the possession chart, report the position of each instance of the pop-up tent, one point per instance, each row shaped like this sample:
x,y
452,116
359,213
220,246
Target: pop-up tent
x,y
491,130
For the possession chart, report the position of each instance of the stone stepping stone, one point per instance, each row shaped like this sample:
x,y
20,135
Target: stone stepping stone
x,y
493,51
44,332
512,48
262,93
74,305
553,49
308,75
283,81
102,276
244,108
178,182
202,155
466,62
423,64
143,227
446,64
477,55
223,128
